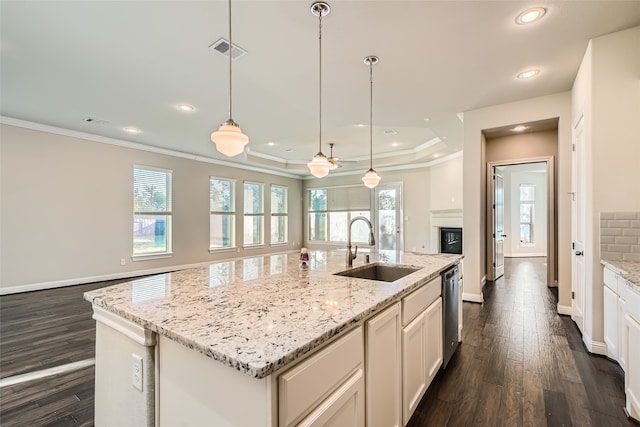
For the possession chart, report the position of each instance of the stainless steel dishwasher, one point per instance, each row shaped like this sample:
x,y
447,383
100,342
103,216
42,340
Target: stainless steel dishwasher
x,y
449,313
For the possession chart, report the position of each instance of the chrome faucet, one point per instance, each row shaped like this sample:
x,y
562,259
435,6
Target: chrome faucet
x,y
372,241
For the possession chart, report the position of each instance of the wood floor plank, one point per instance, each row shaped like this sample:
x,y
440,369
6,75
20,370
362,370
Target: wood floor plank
x,y
556,409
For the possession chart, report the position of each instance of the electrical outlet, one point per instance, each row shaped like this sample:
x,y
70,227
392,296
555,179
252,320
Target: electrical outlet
x,y
123,261
136,371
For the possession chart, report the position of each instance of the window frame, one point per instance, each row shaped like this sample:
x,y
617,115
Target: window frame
x,y
253,215
531,206
167,213
284,215
351,213
232,213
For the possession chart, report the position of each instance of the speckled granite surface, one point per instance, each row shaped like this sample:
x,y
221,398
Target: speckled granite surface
x,y
260,314
629,270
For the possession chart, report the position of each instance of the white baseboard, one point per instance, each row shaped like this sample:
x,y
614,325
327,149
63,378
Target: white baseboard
x,y
595,347
566,310
472,297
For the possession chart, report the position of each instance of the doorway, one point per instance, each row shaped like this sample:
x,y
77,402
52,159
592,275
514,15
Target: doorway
x,y
520,213
388,211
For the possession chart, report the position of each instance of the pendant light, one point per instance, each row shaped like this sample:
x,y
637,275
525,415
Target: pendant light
x,y
320,166
229,138
371,178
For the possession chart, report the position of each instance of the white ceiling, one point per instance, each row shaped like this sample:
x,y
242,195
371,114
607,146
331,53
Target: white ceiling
x,y
130,63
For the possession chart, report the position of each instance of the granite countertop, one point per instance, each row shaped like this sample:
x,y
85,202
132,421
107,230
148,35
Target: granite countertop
x,y
628,270
260,314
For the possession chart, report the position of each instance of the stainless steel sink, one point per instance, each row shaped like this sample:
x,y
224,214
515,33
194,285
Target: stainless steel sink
x,y
380,272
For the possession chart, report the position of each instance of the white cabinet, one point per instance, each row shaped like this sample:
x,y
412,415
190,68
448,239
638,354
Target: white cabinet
x,y
414,365
421,356
383,376
611,322
621,330
421,343
433,319
327,389
632,374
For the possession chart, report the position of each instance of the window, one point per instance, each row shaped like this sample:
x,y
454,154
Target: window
x,y
222,220
527,207
332,209
253,214
279,214
151,211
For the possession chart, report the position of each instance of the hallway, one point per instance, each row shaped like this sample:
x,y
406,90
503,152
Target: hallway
x,y
521,364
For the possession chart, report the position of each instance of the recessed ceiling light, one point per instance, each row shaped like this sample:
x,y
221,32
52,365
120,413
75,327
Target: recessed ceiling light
x,y
426,119
360,125
530,15
528,74
395,144
520,128
185,107
132,130
271,143
435,156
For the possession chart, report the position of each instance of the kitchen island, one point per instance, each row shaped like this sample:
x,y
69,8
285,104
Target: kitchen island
x,y
211,343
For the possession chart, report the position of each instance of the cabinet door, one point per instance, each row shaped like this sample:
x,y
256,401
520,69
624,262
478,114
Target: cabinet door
x,y
622,336
414,365
343,408
632,374
384,365
611,323
434,343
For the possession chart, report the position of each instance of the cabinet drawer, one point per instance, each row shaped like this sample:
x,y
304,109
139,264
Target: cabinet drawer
x,y
610,280
416,302
303,387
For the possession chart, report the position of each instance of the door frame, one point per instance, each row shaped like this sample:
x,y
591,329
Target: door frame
x,y
399,212
551,207
495,269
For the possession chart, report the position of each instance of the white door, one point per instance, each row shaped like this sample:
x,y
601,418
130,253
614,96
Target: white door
x,y
388,210
433,319
632,374
384,363
578,209
414,365
496,269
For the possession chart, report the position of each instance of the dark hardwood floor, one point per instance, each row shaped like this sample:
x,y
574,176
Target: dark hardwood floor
x,y
520,364
40,330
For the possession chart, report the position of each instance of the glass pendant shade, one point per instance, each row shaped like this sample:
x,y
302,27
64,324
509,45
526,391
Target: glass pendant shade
x,y
319,166
371,178
229,139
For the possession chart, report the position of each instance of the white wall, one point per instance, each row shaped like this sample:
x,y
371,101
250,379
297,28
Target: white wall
x,y
513,247
67,210
607,93
446,185
474,183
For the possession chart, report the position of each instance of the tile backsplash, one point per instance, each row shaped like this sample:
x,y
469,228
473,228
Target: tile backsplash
x,y
620,236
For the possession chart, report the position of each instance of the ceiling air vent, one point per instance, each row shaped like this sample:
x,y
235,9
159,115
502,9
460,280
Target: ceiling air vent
x,y
222,46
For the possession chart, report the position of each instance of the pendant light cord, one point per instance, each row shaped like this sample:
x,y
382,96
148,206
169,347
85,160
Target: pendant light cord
x,y
320,76
371,114
230,47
